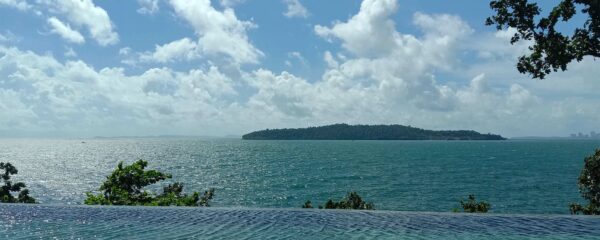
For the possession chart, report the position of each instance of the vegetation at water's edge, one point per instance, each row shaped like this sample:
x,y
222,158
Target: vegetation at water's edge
x,y
589,186
367,132
9,186
472,206
125,187
351,201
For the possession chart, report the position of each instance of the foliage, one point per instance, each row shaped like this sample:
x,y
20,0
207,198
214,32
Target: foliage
x,y
366,132
172,195
589,186
125,187
551,49
351,201
9,186
472,206
307,204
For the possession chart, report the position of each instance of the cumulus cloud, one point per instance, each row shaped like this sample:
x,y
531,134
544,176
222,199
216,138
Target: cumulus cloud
x,y
8,37
231,3
124,51
22,5
295,9
85,14
370,32
45,95
400,65
381,74
148,6
219,32
65,31
298,57
69,52
180,49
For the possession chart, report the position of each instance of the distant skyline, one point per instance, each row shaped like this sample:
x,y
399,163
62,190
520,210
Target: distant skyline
x,y
84,68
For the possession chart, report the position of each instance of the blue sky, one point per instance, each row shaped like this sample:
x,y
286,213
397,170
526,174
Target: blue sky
x,y
81,68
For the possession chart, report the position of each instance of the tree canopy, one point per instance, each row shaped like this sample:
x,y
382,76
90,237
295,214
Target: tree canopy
x,y
366,132
9,186
552,50
589,186
472,206
125,186
351,201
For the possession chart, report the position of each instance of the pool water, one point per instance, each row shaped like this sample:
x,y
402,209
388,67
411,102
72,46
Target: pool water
x,y
84,222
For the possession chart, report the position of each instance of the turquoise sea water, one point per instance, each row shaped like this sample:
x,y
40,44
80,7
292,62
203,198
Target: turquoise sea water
x,y
537,176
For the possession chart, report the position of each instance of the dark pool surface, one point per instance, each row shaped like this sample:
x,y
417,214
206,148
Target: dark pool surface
x,y
72,222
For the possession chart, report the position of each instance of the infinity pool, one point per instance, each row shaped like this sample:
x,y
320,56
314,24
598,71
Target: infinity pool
x,y
72,222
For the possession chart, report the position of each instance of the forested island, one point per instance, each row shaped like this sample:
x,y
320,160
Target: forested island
x,y
367,132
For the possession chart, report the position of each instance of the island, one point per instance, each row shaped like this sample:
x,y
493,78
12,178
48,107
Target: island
x,y
367,132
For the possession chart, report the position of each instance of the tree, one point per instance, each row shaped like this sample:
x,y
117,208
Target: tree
x,y
351,201
589,186
125,187
472,206
551,50
9,186
307,204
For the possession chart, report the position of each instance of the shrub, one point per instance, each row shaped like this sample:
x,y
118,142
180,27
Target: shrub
x,y
589,186
351,201
307,204
9,186
125,187
472,206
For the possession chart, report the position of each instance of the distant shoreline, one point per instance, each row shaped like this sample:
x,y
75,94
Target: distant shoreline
x,y
367,132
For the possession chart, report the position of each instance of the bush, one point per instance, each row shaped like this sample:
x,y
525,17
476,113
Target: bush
x,y
125,187
307,204
589,186
472,206
9,186
351,201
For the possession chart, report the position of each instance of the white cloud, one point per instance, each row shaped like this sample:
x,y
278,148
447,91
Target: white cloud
x,y
148,6
84,13
219,32
65,31
295,9
180,49
44,95
298,57
401,65
231,3
18,4
69,52
370,32
382,74
8,37
124,51
330,60
290,101
127,57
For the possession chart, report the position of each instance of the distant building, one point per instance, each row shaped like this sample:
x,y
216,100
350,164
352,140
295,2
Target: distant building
x,y
593,134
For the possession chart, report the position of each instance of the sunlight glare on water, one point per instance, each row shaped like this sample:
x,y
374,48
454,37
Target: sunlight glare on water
x,y
514,176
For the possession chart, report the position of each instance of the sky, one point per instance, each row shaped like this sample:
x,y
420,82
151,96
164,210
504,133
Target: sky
x,y
84,68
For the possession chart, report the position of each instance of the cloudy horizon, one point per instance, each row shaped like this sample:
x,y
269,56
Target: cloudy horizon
x,y
84,68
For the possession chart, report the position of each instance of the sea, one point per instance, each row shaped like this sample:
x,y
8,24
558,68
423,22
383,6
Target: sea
x,y
514,176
